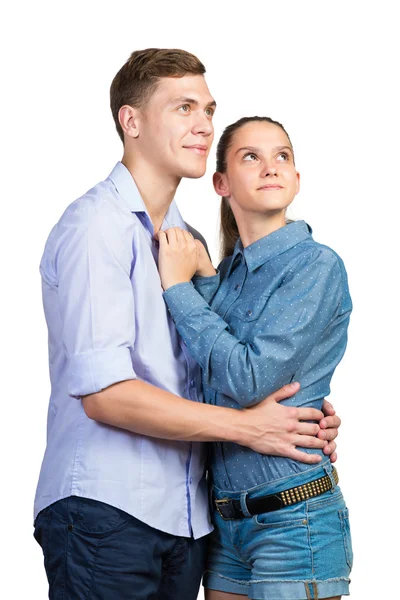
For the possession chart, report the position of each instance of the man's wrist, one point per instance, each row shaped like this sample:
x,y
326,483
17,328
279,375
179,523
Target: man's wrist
x,y
235,429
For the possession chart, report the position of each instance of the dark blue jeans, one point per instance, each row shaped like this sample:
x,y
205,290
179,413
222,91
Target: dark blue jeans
x,y
95,551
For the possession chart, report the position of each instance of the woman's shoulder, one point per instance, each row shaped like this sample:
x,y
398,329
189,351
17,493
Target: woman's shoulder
x,y
320,263
312,252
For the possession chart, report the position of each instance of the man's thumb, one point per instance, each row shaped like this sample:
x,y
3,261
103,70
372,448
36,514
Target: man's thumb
x,y
286,391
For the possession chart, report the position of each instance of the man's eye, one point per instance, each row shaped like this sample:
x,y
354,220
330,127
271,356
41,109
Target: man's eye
x,y
184,108
209,112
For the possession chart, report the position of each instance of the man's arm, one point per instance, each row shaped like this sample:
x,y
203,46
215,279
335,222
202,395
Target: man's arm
x,y
92,264
269,428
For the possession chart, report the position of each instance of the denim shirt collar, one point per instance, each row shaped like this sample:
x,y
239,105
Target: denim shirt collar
x,y
128,191
270,245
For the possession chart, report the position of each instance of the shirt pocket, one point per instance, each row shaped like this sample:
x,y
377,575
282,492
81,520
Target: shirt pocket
x,y
249,310
246,318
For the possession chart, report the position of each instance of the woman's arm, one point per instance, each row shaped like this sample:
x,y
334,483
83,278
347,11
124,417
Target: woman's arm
x,y
293,320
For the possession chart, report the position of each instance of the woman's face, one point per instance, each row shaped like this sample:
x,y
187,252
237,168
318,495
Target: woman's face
x,y
260,176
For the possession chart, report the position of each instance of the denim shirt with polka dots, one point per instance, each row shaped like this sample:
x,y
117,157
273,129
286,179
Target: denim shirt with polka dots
x,y
277,311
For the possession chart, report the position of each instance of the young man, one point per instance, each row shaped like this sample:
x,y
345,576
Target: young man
x,y
121,504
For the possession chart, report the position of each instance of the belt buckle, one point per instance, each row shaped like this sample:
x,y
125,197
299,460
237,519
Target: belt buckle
x,y
222,502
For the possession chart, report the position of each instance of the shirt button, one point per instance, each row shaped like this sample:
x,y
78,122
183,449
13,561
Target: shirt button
x,y
237,286
191,383
190,481
249,313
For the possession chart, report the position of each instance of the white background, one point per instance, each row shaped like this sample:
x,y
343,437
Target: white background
x,y
329,71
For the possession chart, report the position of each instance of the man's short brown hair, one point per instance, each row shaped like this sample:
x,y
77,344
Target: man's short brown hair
x,y
137,80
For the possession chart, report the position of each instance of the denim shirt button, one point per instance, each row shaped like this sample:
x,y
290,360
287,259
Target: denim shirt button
x,y
237,286
249,313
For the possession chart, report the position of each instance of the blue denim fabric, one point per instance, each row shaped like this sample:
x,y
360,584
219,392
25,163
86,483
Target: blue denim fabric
x,y
94,550
299,552
277,312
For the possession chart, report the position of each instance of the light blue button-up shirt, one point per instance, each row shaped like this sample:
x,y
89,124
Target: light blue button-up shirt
x,y
279,312
107,322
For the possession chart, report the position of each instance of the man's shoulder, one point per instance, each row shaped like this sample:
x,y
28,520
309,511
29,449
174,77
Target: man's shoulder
x,y
196,234
99,197
98,209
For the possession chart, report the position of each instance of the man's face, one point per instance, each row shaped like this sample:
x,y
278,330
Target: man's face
x,y
176,129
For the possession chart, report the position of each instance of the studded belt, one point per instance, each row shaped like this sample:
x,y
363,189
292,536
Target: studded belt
x,y
230,508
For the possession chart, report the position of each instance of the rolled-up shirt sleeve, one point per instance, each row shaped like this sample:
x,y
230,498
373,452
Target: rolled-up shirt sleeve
x,y
290,323
91,264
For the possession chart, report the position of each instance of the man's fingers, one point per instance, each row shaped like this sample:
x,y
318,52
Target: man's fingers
x,y
310,441
310,459
309,414
304,428
329,422
327,408
333,457
330,448
285,392
328,434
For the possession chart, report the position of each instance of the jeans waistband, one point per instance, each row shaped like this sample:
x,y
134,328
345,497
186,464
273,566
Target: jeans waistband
x,y
279,484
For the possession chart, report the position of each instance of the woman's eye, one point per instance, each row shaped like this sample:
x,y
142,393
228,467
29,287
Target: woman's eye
x,y
283,156
250,157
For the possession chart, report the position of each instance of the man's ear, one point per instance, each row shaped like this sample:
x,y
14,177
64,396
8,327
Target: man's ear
x,y
129,120
220,184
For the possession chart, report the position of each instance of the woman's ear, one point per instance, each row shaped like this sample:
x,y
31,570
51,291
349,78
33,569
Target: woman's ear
x,y
298,182
220,184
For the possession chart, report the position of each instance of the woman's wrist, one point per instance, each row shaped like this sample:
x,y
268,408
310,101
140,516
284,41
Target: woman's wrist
x,y
208,271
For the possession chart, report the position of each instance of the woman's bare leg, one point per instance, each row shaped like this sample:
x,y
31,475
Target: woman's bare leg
x,y
215,595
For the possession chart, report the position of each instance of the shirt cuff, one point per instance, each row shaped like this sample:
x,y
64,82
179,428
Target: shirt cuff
x,y
182,299
94,371
207,286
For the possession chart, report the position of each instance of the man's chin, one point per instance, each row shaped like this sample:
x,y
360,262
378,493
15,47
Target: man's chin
x,y
193,173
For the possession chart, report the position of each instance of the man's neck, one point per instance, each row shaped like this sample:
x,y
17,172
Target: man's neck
x,y
156,189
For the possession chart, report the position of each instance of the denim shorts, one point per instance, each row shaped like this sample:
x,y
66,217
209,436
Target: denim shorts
x,y
298,552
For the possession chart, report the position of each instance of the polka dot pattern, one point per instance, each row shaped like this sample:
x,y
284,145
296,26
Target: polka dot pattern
x,y
278,311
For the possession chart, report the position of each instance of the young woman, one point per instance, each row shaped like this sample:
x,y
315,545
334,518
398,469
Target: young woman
x,y
277,311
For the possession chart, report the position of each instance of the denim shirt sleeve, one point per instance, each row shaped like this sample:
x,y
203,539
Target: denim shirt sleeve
x,y
89,266
207,286
293,319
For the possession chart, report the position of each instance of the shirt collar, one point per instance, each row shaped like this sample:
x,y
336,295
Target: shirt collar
x,y
128,191
271,245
